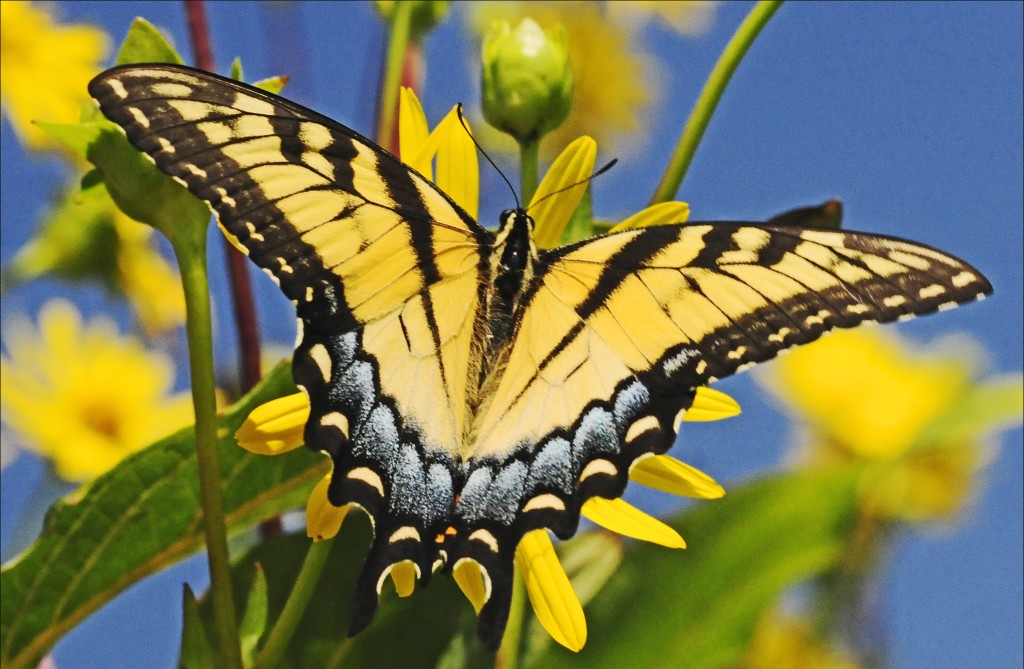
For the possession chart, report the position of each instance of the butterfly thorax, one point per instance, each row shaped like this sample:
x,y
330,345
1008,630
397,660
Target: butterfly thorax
x,y
513,258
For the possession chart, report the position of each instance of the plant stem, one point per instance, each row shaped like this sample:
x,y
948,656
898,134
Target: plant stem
x,y
192,263
529,169
512,642
706,103
305,584
401,23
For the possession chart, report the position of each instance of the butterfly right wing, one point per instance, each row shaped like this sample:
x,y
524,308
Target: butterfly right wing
x,y
619,331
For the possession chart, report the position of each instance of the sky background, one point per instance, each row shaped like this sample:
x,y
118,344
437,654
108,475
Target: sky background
x,y
911,113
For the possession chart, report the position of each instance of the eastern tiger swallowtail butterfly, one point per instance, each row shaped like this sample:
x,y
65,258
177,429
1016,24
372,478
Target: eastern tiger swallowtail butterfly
x,y
469,387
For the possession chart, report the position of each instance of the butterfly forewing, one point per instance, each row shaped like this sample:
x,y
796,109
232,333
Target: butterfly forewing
x,y
697,302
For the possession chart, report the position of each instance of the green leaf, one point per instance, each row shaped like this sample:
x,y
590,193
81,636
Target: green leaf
x,y
236,69
145,44
411,633
139,518
196,651
254,620
697,608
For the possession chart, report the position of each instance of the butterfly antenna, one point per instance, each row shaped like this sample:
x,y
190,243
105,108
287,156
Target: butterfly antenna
x,y
596,174
484,153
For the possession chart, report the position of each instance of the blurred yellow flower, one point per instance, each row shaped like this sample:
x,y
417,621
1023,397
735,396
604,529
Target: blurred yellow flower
x,y
786,642
44,69
81,395
919,421
866,391
686,17
87,237
615,78
149,282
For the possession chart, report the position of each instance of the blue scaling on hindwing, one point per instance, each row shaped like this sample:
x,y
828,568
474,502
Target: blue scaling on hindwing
x,y
552,467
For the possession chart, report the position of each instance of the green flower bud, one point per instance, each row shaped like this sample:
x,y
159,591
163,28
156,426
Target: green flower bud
x,y
527,79
425,14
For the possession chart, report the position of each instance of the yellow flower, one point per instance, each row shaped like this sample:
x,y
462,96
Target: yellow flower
x,y
82,396
88,237
686,17
785,642
44,68
615,80
867,396
149,282
277,427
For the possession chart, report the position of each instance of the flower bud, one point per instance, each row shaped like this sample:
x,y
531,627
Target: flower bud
x,y
425,14
527,79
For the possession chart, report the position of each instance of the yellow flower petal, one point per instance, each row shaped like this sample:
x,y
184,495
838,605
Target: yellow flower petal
x,y
472,582
413,133
457,170
404,575
232,239
575,164
711,404
553,599
275,427
323,519
619,516
667,474
662,213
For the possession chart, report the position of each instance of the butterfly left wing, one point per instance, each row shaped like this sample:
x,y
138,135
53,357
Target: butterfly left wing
x,y
386,273
618,332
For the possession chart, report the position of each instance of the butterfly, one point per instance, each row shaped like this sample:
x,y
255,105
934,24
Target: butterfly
x,y
468,386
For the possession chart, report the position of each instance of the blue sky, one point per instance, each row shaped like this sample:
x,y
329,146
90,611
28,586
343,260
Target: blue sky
x,y
911,113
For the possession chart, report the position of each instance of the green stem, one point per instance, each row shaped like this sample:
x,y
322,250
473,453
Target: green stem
x,y
192,261
305,585
709,97
529,169
512,642
401,24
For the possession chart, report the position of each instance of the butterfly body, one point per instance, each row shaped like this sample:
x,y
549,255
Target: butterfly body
x,y
469,387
